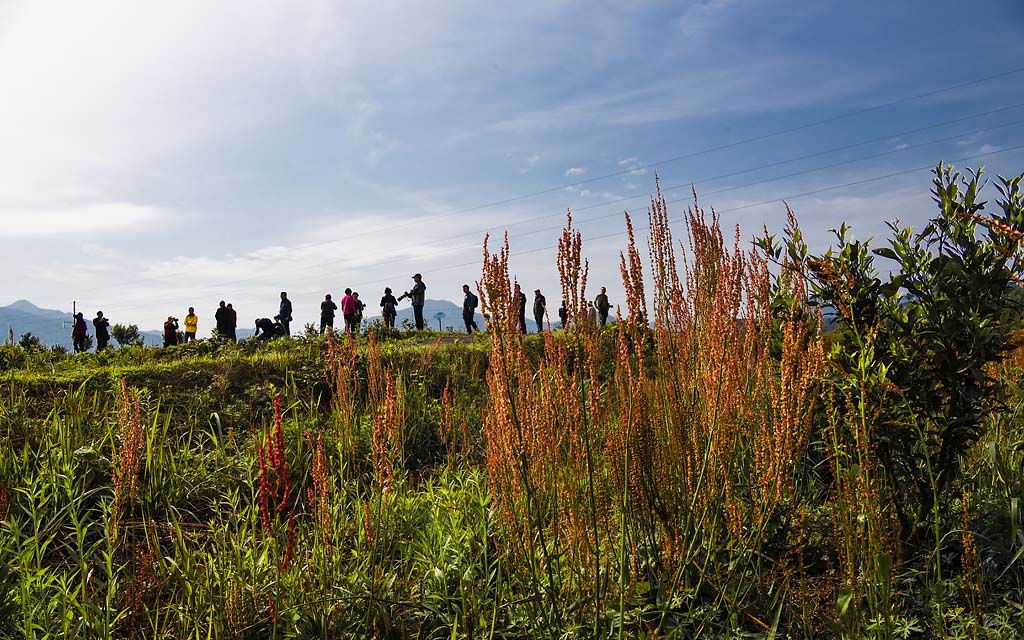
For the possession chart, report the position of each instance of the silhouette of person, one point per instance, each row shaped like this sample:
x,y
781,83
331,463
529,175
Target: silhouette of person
x,y
520,298
469,304
388,308
285,313
232,323
171,331
223,319
602,305
359,312
79,333
327,309
417,295
540,306
102,326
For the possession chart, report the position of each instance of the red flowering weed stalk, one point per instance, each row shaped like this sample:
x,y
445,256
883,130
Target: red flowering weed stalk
x,y
274,488
319,493
131,436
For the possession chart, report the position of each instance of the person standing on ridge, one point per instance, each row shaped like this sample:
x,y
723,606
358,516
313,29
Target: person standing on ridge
x,y
171,331
348,310
602,306
222,318
417,295
388,308
327,309
520,299
469,304
359,311
540,307
591,314
191,325
232,323
79,333
102,326
563,315
285,313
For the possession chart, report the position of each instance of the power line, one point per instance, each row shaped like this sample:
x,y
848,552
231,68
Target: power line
x,y
325,265
641,227
658,163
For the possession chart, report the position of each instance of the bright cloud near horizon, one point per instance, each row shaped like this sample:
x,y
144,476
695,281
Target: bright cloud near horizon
x,y
156,156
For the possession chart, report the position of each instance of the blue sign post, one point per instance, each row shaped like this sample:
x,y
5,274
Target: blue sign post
x,y
440,316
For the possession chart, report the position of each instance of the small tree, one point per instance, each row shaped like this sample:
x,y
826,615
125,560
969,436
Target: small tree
x,y
126,335
30,343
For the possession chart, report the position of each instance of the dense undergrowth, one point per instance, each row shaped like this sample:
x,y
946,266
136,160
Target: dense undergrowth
x,y
719,471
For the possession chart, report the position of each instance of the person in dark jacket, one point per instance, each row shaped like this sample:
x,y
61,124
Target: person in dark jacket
x,y
327,309
520,298
602,305
360,305
266,329
79,333
417,295
388,308
232,323
469,304
102,326
223,319
563,315
285,313
540,307
171,331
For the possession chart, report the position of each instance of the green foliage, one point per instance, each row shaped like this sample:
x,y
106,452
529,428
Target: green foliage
x,y
30,343
127,335
944,316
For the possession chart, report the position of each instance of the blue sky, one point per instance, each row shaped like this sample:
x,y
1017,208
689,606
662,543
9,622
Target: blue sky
x,y
153,158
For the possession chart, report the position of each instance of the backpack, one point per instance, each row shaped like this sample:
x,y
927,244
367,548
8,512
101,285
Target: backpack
x,y
389,308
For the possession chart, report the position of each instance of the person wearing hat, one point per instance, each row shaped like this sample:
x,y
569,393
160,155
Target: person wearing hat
x,y
388,308
417,296
469,309
79,333
540,307
327,309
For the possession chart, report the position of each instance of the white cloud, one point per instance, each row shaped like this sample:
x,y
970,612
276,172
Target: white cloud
x,y
112,218
633,165
575,171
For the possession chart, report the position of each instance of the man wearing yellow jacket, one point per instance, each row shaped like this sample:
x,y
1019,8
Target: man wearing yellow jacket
x,y
191,324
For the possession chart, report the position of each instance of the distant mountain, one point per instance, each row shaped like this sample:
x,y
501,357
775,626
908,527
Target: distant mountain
x,y
54,327
49,325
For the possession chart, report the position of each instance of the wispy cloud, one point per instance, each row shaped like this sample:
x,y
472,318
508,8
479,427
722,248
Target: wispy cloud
x,y
574,172
633,165
111,218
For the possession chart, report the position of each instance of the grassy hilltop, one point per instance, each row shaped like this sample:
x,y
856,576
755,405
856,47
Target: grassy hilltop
x,y
718,469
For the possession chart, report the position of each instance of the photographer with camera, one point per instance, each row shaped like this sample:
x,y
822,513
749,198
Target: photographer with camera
x,y
417,296
171,332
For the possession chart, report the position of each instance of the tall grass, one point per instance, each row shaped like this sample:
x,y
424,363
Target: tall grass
x,y
695,469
